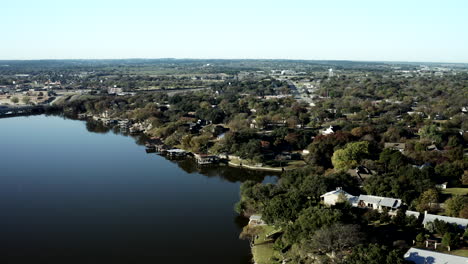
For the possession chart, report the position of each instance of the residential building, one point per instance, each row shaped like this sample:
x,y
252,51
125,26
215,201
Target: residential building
x,y
421,256
333,197
379,203
330,130
428,218
396,146
256,220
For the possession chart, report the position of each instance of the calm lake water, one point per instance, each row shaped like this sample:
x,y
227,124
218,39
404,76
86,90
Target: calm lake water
x,y
68,195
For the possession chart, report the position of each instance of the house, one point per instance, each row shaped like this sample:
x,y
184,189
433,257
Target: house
x,y
442,186
330,130
176,152
333,197
396,146
432,147
378,202
429,218
114,90
412,213
256,220
421,256
203,159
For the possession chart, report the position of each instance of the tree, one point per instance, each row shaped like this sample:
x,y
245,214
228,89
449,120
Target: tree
x,y
26,100
250,232
454,205
336,237
392,159
431,132
427,200
374,254
451,172
321,150
310,220
350,156
465,177
14,100
464,212
251,150
282,208
450,240
420,238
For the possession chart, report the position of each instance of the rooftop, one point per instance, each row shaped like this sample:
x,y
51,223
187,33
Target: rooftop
x,y
421,256
383,201
462,222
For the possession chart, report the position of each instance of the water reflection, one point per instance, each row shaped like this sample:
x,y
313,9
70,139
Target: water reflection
x,y
188,165
104,195
225,172
97,127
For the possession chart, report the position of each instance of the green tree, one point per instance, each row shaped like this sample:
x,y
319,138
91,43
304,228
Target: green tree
x,y
454,205
14,100
26,99
392,159
420,238
350,156
450,240
431,132
373,254
427,200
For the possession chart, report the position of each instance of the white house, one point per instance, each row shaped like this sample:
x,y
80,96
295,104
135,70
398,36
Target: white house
x,y
331,198
412,213
421,256
378,202
396,146
256,220
461,222
330,130
442,186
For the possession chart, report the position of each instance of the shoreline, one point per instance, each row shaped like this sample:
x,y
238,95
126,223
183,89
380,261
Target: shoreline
x,y
97,118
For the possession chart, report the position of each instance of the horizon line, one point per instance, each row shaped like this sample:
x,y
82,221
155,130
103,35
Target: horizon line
x,y
240,59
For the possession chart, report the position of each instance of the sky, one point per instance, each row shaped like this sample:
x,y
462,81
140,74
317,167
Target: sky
x,y
364,30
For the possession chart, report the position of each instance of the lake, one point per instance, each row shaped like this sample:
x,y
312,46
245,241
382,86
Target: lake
x,y
68,195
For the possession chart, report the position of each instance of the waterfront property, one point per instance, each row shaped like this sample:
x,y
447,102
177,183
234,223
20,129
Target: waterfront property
x,y
176,152
362,201
338,195
379,203
256,220
204,159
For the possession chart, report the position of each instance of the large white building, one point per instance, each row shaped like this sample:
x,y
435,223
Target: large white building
x,y
362,201
460,222
378,202
421,256
333,197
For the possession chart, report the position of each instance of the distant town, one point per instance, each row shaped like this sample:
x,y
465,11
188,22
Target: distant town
x,y
373,156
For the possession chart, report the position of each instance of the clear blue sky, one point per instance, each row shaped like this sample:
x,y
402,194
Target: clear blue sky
x,y
392,30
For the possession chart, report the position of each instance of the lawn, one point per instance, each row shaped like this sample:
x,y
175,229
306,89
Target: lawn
x,y
263,247
460,252
456,191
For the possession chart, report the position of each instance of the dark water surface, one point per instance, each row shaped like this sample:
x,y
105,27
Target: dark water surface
x,y
68,195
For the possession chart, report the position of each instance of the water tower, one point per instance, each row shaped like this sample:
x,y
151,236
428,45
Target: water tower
x,y
330,73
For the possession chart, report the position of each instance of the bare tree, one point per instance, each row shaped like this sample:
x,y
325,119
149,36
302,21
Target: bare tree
x,y
336,238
